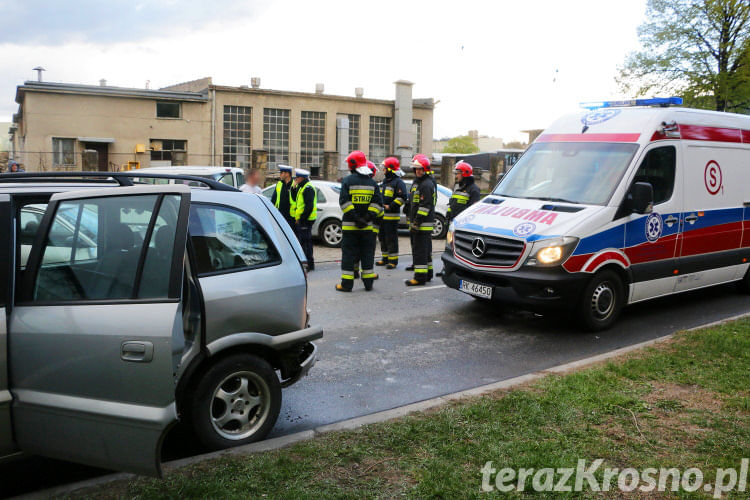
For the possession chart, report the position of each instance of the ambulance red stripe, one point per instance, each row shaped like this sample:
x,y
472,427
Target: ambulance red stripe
x,y
601,259
716,134
712,239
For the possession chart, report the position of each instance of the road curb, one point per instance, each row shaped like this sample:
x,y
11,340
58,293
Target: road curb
x,y
381,416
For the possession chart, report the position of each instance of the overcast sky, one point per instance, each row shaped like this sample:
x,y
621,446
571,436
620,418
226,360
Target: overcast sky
x,y
496,66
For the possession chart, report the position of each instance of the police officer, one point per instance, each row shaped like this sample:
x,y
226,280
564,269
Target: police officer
x,y
422,200
305,213
360,203
282,197
394,194
465,192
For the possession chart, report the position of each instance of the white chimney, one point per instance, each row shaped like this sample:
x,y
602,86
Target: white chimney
x,y
102,82
255,82
319,87
359,91
39,70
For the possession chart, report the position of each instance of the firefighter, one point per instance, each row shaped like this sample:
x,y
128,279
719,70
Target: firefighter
x,y
375,223
282,197
360,203
394,195
465,192
422,202
305,213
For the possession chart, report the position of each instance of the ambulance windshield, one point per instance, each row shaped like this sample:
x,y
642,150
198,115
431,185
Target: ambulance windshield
x,y
577,172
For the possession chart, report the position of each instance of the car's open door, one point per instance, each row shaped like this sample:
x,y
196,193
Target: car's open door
x,y
96,331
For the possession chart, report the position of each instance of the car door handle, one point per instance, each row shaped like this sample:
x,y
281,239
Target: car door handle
x,y
670,221
136,351
690,219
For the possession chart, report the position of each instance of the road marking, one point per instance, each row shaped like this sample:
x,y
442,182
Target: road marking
x,y
420,289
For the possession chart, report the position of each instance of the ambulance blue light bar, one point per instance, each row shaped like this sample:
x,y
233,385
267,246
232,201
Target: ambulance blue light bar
x,y
654,101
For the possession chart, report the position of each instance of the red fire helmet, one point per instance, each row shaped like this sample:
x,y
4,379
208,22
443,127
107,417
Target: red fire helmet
x,y
464,169
356,159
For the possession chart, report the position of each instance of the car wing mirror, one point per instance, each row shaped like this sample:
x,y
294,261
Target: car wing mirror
x,y
641,198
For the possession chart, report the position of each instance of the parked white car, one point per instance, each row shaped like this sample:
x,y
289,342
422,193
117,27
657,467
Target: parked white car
x,y
231,176
327,226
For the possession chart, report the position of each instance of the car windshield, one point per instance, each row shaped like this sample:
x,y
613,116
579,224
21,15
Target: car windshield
x,y
226,178
576,172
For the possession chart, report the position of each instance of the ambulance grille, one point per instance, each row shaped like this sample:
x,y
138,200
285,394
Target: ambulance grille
x,y
500,252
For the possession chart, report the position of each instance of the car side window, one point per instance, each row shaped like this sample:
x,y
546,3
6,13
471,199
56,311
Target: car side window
x,y
658,169
240,179
321,196
94,248
227,240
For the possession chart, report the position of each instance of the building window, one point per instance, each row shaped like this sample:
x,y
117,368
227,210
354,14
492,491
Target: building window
x,y
166,109
276,135
237,136
417,127
312,141
353,132
380,138
171,150
63,152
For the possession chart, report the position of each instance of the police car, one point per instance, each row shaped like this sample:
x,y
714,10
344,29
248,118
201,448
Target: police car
x,y
620,203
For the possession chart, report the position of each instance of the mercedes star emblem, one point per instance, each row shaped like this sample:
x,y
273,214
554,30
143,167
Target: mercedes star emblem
x,y
478,247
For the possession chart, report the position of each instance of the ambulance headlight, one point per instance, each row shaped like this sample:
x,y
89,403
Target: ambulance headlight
x,y
551,252
549,255
449,236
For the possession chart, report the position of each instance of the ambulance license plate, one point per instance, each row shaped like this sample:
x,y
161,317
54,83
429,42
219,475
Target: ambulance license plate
x,y
475,289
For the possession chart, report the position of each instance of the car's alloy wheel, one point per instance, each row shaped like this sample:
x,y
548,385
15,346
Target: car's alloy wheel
x,y
438,228
240,405
235,401
332,233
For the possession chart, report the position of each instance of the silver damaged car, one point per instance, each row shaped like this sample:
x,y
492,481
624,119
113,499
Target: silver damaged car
x,y
125,307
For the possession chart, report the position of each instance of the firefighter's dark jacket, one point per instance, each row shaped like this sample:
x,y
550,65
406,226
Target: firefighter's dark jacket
x,y
394,194
360,201
422,200
465,194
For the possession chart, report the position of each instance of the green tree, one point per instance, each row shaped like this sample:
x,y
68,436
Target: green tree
x,y
463,144
699,49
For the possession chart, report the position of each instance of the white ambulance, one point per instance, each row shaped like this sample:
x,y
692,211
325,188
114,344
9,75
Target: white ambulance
x,y
610,206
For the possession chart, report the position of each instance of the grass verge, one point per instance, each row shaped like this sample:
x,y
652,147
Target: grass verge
x,y
684,403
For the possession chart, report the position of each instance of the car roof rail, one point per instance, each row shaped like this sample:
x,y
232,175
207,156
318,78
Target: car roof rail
x,y
122,178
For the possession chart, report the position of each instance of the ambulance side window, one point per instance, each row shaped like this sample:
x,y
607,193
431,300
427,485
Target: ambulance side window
x,y
658,169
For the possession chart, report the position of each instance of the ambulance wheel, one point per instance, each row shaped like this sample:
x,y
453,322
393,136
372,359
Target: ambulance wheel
x,y
744,285
601,302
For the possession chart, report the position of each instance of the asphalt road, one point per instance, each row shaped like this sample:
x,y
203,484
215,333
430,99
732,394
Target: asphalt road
x,y
395,346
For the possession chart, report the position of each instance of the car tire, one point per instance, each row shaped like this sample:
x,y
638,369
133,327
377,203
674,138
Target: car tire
x,y
440,227
601,302
236,402
331,233
744,285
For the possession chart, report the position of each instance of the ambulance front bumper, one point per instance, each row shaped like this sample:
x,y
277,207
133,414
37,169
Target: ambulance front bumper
x,y
527,287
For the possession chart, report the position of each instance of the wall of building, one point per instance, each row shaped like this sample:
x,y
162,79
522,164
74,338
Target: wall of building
x,y
130,121
296,104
